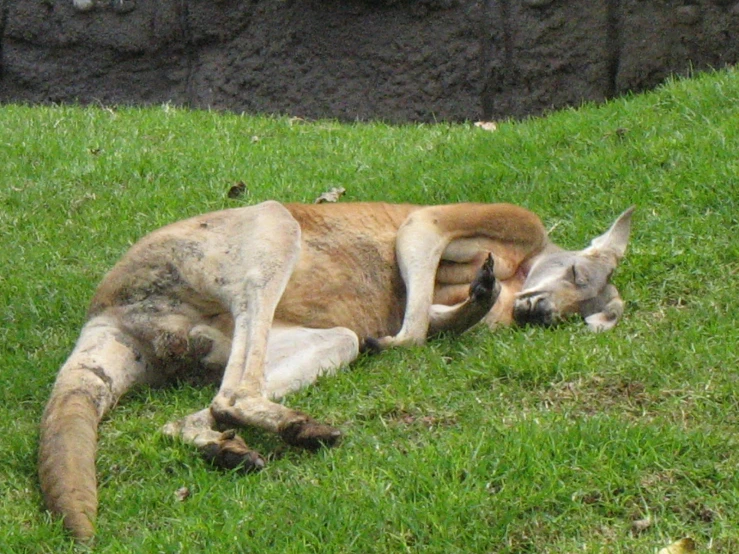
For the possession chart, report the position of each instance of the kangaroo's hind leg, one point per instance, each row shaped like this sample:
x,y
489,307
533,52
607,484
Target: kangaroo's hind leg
x,y
210,348
259,267
296,357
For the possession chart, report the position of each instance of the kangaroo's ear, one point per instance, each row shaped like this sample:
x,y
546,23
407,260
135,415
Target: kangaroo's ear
x,y
617,237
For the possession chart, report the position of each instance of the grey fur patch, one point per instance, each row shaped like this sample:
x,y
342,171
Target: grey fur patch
x,y
186,250
163,281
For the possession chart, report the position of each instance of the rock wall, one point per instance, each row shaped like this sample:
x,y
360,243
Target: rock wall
x,y
397,60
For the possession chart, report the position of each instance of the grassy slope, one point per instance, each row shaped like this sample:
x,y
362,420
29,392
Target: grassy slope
x,y
519,441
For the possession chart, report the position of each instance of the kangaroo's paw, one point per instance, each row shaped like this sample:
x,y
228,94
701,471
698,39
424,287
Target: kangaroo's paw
x,y
231,452
309,434
370,346
485,289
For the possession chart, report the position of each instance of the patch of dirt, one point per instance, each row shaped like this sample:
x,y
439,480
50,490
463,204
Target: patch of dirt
x,y
429,421
594,394
399,416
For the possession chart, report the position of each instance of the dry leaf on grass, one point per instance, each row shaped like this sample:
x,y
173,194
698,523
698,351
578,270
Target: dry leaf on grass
x,y
77,203
640,525
683,546
237,190
486,125
331,196
182,494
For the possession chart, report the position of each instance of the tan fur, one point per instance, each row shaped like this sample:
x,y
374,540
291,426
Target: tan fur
x,y
269,297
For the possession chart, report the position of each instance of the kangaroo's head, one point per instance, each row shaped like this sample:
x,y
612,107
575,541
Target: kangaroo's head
x,y
561,283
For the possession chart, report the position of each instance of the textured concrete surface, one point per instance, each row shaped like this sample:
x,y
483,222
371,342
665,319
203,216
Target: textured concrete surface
x,y
397,60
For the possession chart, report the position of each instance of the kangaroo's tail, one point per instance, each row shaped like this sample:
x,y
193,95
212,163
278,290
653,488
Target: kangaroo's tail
x,y
67,459
104,364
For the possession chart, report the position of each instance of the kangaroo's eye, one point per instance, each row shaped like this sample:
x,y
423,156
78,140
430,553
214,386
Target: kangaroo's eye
x,y
579,277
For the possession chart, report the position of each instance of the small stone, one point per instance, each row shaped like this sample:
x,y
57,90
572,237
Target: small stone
x,y
486,125
123,6
83,5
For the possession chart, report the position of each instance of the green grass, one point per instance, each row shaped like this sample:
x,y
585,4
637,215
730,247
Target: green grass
x,y
518,441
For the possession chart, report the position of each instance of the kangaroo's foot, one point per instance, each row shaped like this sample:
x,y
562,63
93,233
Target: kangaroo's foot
x,y
309,434
231,452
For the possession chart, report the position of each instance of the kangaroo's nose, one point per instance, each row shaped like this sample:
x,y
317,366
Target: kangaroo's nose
x,y
533,310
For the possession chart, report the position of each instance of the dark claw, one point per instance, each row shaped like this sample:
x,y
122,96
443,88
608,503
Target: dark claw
x,y
231,452
310,434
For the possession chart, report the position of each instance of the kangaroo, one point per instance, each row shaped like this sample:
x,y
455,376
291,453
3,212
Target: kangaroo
x,y
269,297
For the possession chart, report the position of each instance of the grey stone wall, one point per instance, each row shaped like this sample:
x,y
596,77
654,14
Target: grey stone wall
x,y
397,60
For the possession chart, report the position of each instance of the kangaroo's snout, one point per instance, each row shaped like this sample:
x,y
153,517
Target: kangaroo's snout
x,y
533,310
